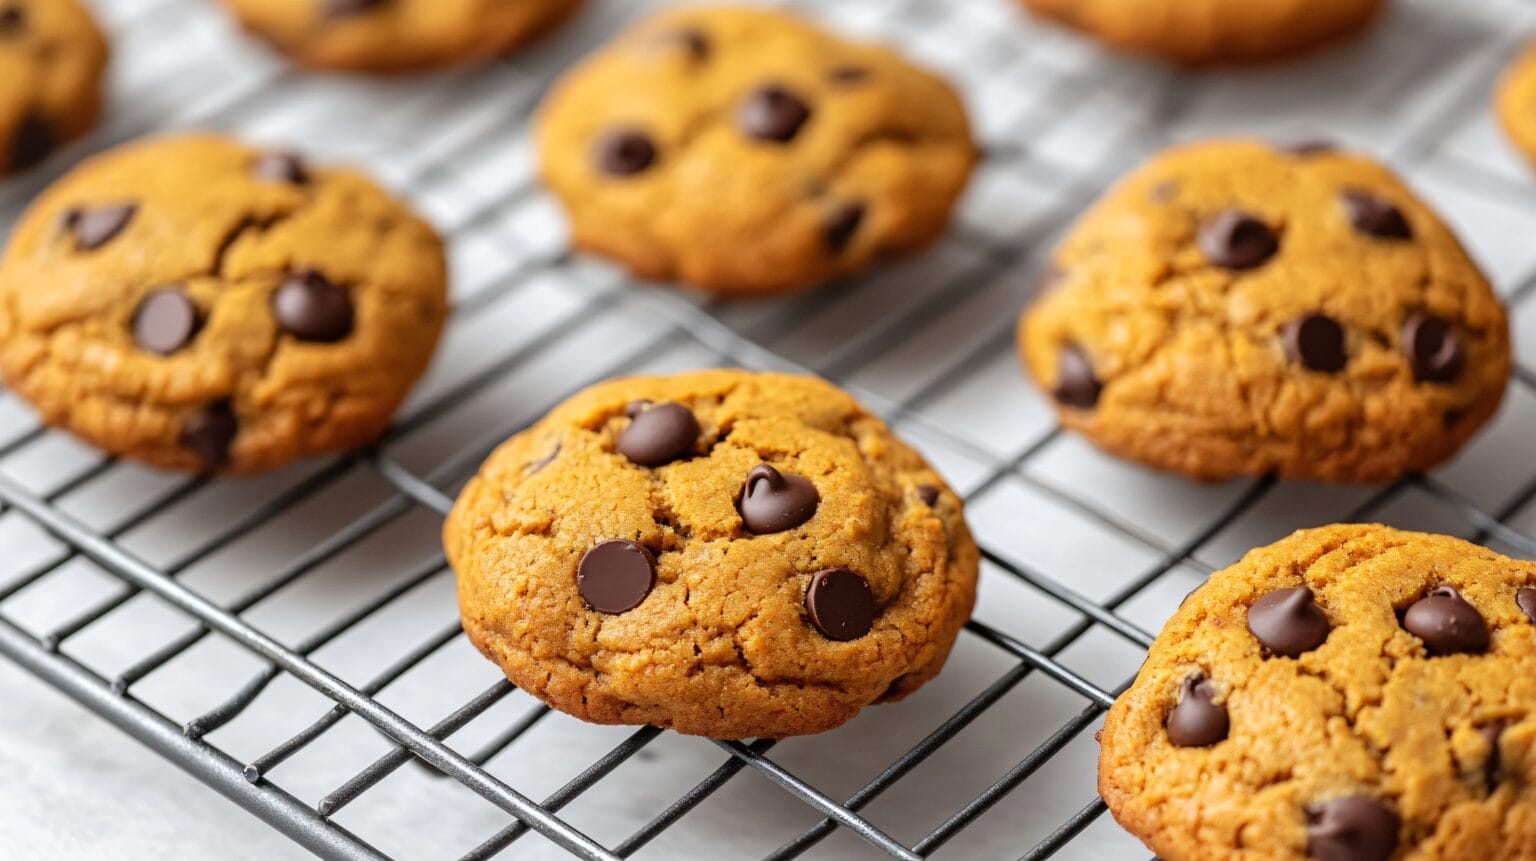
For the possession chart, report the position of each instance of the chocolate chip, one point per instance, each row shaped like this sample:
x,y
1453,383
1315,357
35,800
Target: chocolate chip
x,y
929,494
773,501
659,435
210,433
1433,349
13,19
34,141
841,224
1076,385
693,41
282,167
345,8
772,113
624,152
311,308
1316,342
840,604
1233,239
1288,622
1353,828
1196,721
1446,623
166,321
848,74
1492,733
95,227
1526,599
1374,215
615,576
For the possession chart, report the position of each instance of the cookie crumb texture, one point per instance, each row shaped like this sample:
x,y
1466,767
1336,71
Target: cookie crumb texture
x,y
748,152
52,57
1237,308
398,35
777,569
1210,32
1516,103
199,304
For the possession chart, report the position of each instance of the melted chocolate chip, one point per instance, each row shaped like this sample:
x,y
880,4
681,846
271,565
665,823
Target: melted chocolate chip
x,y
309,307
166,321
773,501
96,226
624,152
659,435
1288,622
1525,598
210,433
772,113
840,604
1233,239
1374,215
1316,342
840,226
1433,349
1076,385
848,74
1196,721
929,494
1492,733
615,576
1353,828
282,167
1446,623
345,8
34,141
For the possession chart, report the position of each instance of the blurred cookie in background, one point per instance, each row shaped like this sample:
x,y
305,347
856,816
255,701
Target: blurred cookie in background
x,y
52,57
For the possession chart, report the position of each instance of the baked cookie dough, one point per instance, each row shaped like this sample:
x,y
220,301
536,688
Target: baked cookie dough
x,y
747,152
398,35
52,56
1239,308
199,304
723,553
1351,693
1205,32
1516,103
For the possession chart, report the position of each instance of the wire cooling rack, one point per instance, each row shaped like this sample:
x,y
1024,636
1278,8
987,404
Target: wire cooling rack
x,y
292,640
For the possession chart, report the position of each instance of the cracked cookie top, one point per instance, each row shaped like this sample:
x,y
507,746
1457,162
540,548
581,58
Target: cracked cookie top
x,y
747,152
200,304
52,56
723,553
1238,308
1351,693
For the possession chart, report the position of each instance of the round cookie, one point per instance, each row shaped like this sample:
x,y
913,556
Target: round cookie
x,y
398,35
1351,693
52,56
747,152
1235,308
1206,32
199,304
1516,103
723,553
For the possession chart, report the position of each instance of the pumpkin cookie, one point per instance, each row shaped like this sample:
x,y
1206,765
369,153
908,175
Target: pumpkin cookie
x,y
52,56
1516,106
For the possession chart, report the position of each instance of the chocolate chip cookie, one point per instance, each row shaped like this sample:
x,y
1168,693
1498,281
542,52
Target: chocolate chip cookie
x,y
723,553
52,56
747,152
1516,103
398,35
1351,693
1239,308
1204,32
200,304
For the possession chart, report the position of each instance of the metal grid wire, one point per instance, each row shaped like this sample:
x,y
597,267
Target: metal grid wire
x,y
1053,95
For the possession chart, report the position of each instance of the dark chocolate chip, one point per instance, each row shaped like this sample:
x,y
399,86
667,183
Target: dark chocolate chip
x,y
1433,349
773,501
1076,385
772,113
166,321
13,19
1303,147
929,494
1233,239
624,152
282,167
840,604
841,224
210,433
1374,215
693,41
848,74
1446,623
1288,622
1353,828
659,435
96,226
309,307
1525,598
615,576
1196,721
34,141
1492,733
344,8
1316,342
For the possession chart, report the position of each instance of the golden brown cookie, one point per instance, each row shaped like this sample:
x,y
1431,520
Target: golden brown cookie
x,y
723,553
52,56
1234,308
1517,103
747,152
1352,693
1204,32
398,35
200,304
